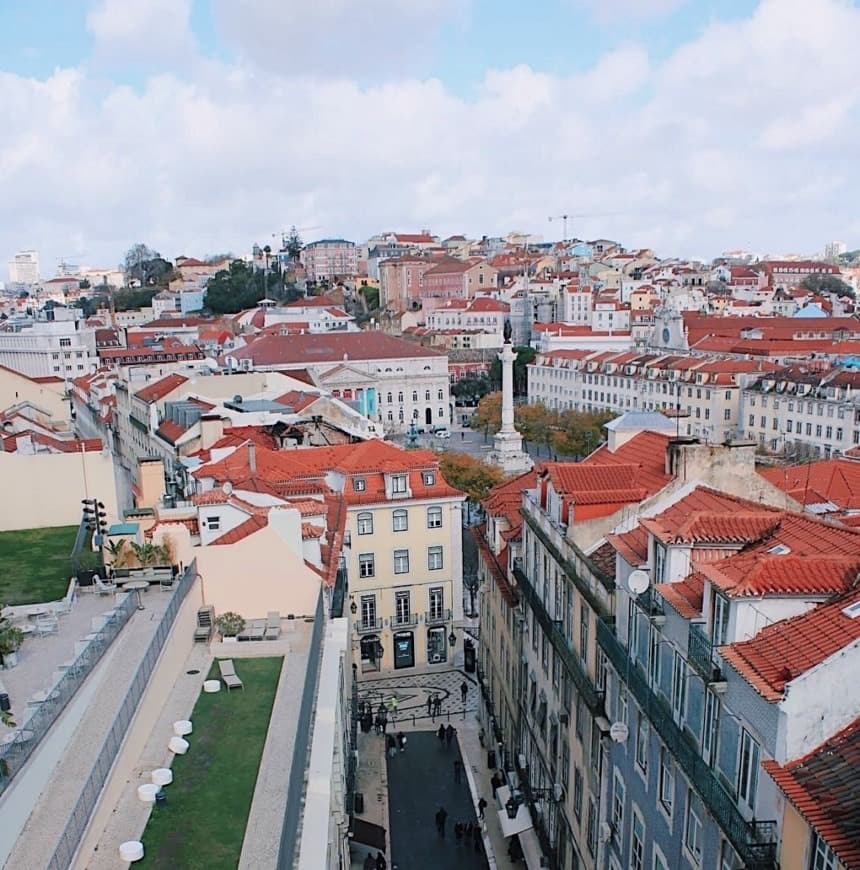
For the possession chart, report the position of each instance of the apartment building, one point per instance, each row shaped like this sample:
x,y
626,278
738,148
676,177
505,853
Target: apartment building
x,y
807,409
62,347
705,390
732,637
328,259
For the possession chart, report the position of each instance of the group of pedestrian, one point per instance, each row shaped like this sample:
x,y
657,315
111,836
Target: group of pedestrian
x,y
394,744
446,734
434,705
377,863
381,720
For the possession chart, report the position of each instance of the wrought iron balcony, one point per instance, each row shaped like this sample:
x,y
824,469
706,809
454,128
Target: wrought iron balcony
x,y
365,626
404,620
437,617
700,650
755,842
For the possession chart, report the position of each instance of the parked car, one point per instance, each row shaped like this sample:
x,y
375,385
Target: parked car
x,y
442,433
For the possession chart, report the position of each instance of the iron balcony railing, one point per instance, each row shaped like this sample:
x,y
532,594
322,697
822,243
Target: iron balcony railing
x,y
365,626
437,617
404,619
553,630
748,839
700,650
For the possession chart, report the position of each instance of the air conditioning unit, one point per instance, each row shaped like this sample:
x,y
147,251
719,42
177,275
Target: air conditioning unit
x,y
435,659
558,792
521,761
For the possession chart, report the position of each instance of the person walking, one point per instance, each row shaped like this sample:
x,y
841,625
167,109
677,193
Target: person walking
x,y
441,815
430,704
369,862
381,863
392,745
377,723
401,741
384,721
458,770
449,735
441,733
438,704
458,832
482,805
464,690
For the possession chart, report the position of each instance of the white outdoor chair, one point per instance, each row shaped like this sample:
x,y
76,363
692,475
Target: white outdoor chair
x,y
103,588
47,625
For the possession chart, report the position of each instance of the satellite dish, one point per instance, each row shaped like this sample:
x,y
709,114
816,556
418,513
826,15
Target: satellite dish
x,y
211,364
638,581
619,732
226,487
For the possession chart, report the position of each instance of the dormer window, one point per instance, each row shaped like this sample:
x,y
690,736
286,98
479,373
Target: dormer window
x,y
359,484
398,484
429,478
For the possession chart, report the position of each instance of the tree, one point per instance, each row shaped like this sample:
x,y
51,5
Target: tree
x,y
136,259
130,298
534,423
471,390
235,289
488,415
827,284
470,474
577,433
294,245
525,356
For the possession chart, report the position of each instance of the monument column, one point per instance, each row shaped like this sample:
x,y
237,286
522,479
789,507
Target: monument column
x,y
508,443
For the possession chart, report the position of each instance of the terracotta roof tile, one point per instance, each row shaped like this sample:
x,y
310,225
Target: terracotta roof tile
x,y
632,545
243,530
159,389
781,652
833,480
686,596
823,788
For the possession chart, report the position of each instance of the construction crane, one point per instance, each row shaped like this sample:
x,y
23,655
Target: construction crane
x,y
560,217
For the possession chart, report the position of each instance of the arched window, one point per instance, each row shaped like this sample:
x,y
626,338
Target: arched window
x,y
415,395
427,395
401,520
400,396
365,523
440,395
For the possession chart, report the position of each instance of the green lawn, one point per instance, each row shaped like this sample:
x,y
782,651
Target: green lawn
x,y
35,564
203,824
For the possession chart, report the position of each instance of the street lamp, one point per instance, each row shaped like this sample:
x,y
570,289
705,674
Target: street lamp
x,y
452,639
512,805
353,607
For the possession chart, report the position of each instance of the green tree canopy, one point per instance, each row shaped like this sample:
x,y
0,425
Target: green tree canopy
x,y
827,284
525,356
235,289
470,474
471,389
294,244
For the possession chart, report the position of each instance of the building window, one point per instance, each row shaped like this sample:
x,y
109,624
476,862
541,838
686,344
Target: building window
x,y
400,521
577,792
823,857
365,524
693,828
748,769
427,395
637,842
401,607
729,859
583,633
642,742
434,558
437,602
659,563
679,687
65,342
660,862
434,518
400,396
214,524
667,781
401,561
359,484
429,478
365,565
591,828
390,398
441,413
398,484
368,611
440,395
618,805
720,628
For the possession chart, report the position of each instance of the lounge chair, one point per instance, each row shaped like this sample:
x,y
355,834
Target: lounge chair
x,y
273,625
228,674
47,625
102,587
254,630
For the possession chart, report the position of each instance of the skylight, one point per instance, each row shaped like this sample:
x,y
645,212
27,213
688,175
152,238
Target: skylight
x,y
779,550
853,610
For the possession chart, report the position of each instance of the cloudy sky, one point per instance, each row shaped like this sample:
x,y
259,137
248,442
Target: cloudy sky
x,y
202,126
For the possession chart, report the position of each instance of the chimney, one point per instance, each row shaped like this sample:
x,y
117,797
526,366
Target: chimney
x,y
252,456
211,430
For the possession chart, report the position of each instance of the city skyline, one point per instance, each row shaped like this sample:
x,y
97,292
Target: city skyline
x,y
687,127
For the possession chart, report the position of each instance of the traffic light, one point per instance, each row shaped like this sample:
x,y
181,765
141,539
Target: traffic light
x,y
95,517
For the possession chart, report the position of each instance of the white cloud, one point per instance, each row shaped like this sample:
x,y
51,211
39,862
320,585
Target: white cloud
x,y
141,30
745,136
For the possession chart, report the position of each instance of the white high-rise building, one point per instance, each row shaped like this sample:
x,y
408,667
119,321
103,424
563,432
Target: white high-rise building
x,y
24,268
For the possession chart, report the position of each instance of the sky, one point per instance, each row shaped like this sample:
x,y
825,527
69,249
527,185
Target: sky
x,y
203,126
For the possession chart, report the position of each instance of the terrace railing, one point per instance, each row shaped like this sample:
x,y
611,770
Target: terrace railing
x,y
71,837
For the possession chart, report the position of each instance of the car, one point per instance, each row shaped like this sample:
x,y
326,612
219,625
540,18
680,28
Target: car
x,y
442,433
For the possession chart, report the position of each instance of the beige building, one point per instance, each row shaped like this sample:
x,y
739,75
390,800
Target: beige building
x,y
48,394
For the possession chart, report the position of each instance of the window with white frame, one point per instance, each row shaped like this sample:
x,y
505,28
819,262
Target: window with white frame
x,y
434,558
654,656
618,792
366,566
401,607
822,856
577,792
591,826
401,561
750,756
584,614
398,484
400,521
679,687
720,625
667,781
637,841
659,562
359,484
660,862
429,478
368,611
693,827
437,602
728,857
364,523
214,523
710,727
434,518
641,742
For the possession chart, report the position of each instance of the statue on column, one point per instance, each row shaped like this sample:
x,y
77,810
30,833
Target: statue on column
x,y
507,331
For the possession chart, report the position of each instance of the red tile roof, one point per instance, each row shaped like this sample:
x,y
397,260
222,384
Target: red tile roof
x,y
632,545
170,431
704,526
823,788
783,651
243,530
685,596
647,450
833,480
159,389
497,566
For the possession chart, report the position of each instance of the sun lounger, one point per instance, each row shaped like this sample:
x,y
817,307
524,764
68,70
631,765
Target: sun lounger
x,y
228,675
273,625
254,630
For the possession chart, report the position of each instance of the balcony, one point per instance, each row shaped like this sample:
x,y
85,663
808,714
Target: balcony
x,y
404,620
755,842
553,629
437,617
365,626
700,650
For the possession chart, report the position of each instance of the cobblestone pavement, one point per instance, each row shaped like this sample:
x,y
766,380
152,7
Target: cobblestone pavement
x,y
420,780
